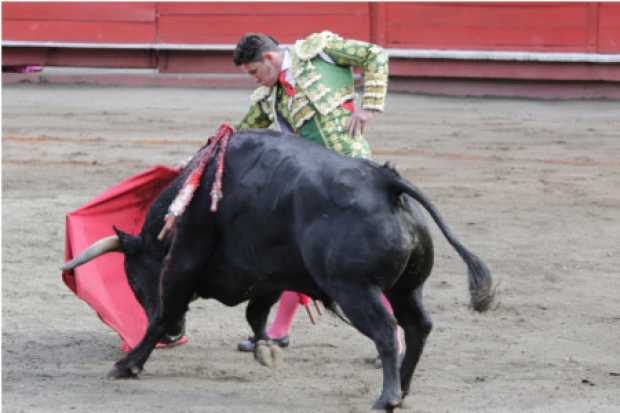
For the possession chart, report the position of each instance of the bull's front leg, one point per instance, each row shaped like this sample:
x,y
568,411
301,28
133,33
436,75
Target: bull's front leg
x,y
132,364
175,305
180,270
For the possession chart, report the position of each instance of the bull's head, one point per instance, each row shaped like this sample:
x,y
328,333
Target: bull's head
x,y
142,267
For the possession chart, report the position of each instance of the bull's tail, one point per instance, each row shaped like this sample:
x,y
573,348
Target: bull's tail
x,y
481,287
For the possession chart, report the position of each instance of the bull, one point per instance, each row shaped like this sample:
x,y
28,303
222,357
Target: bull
x,y
295,216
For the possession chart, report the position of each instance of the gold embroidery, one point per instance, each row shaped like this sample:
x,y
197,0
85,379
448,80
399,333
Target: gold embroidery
x,y
260,93
306,115
311,46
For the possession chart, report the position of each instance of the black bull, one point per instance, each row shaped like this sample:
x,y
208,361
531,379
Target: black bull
x,y
298,217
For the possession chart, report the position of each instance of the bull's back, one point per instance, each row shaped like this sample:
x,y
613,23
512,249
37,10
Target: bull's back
x,y
288,177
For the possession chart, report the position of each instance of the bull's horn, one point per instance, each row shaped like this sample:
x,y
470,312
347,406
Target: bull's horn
x,y
100,247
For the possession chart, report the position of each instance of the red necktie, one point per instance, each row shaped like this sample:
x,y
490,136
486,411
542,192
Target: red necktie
x,y
288,88
349,105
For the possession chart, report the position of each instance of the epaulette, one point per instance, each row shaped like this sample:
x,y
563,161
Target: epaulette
x,y
313,45
259,94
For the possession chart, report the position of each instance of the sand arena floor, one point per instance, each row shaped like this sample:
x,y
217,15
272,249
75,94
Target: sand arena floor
x,y
533,187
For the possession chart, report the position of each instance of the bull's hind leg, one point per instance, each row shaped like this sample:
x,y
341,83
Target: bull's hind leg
x,y
417,325
363,307
182,267
257,313
265,351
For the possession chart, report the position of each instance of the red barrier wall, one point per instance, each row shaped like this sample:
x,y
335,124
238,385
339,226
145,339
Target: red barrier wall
x,y
546,27
554,26
179,22
224,23
141,27
94,22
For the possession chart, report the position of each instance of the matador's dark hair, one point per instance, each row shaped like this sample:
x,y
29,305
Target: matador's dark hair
x,y
252,46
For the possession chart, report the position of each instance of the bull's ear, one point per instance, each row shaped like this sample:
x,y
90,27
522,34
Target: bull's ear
x,y
130,245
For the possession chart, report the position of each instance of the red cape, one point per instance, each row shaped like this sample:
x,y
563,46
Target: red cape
x,y
102,282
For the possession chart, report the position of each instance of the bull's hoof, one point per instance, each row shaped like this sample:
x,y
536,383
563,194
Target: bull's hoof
x,y
124,372
262,354
387,404
276,355
268,353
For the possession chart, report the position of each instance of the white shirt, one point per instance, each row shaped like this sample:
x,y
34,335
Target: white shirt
x,y
287,63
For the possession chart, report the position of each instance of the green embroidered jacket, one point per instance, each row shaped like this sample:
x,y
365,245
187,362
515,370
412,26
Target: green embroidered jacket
x,y
322,68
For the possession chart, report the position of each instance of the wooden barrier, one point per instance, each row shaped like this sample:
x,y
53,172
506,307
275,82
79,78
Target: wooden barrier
x,y
581,40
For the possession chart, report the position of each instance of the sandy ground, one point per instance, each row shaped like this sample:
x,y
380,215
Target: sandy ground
x,y
533,187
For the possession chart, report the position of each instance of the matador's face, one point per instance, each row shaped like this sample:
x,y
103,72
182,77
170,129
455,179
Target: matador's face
x,y
264,71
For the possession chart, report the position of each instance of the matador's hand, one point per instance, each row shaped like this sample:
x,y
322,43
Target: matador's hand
x,y
356,125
